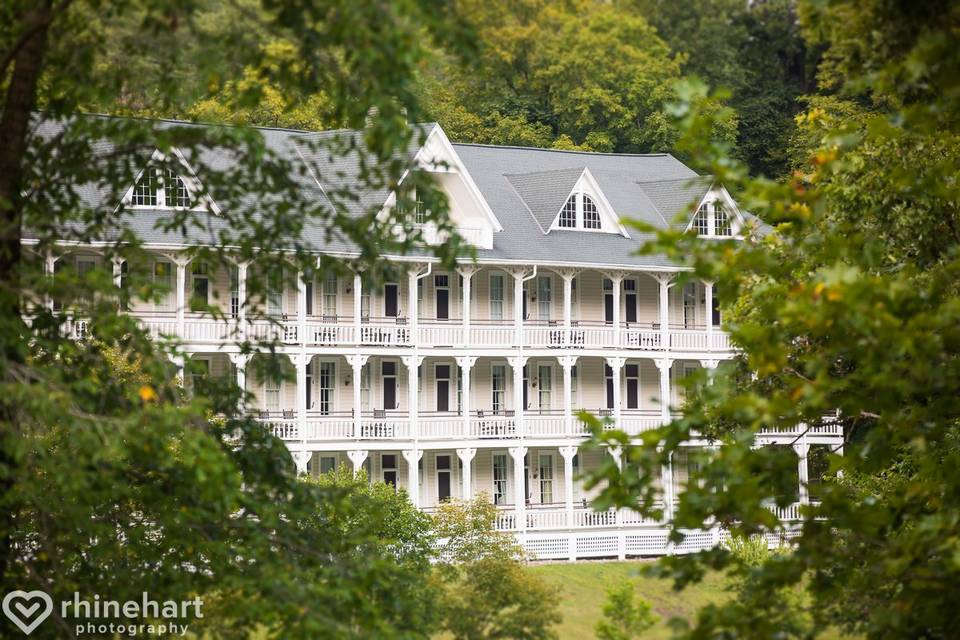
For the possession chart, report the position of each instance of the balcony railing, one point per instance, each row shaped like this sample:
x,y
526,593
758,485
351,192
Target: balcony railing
x,y
397,331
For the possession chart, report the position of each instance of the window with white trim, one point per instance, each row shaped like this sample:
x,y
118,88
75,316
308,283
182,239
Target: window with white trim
x,y
591,215
546,478
721,220
701,222
162,189
499,478
498,385
568,215
271,392
496,296
330,295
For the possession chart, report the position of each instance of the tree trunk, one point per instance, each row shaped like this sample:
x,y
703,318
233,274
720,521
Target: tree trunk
x,y
18,106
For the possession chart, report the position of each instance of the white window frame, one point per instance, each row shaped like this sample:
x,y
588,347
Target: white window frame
x,y
546,483
497,304
544,302
269,391
540,387
168,280
500,486
498,407
596,210
332,389
330,298
570,214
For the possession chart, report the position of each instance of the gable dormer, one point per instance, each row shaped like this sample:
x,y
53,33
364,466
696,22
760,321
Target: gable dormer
x,y
468,210
717,216
168,184
587,209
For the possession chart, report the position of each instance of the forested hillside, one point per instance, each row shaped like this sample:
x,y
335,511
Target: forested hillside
x,y
577,74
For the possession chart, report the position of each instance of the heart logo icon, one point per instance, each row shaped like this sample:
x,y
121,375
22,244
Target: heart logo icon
x,y
27,609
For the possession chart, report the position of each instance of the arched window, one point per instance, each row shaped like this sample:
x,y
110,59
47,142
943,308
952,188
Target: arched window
x,y
591,215
147,191
568,215
721,220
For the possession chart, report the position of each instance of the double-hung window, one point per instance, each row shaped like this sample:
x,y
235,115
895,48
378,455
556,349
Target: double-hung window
x,y
496,296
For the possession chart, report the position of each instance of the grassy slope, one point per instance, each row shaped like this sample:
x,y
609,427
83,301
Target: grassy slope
x,y
583,588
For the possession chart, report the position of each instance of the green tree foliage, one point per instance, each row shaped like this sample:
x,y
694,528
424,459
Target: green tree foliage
x,y
625,616
849,301
487,592
113,480
575,74
753,49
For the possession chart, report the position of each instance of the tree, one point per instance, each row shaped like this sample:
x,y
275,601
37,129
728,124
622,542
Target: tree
x,y
487,592
113,480
848,301
625,617
578,74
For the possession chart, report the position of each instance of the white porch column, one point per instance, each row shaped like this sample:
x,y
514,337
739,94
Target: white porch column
x,y
118,271
413,278
240,361
668,490
413,456
708,301
518,307
568,454
567,275
412,363
467,274
300,458
357,302
616,368
357,457
466,364
242,298
517,363
519,487
664,364
466,476
299,361
616,279
664,280
567,363
301,308
803,473
49,269
181,264
357,362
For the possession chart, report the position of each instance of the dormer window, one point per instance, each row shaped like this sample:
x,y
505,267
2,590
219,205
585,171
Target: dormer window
x,y
580,211
568,215
713,220
160,189
591,215
419,211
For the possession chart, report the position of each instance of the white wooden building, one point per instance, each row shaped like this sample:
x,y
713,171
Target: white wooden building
x,y
453,383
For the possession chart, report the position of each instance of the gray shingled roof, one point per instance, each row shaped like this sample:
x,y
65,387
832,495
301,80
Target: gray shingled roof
x,y
545,192
524,187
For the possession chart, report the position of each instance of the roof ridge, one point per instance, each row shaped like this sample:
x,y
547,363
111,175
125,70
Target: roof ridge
x,y
581,169
523,201
686,179
571,151
200,123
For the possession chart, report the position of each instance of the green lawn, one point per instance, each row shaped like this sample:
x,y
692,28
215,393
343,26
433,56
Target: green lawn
x,y
583,587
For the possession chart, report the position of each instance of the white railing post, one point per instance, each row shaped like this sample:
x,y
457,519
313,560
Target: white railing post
x,y
413,456
616,279
300,361
466,459
668,489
